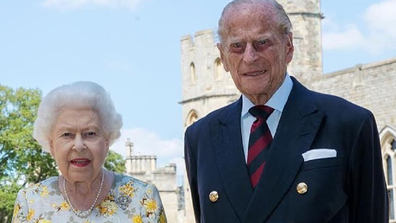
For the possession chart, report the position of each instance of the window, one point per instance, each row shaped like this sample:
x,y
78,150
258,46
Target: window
x,y
191,118
192,73
388,149
389,175
218,69
389,170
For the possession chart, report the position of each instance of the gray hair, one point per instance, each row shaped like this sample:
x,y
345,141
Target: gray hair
x,y
280,15
82,94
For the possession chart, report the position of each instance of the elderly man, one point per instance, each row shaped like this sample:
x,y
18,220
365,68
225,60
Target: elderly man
x,y
281,153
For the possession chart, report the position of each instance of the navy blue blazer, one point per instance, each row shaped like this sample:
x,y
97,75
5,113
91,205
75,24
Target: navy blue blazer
x,y
348,188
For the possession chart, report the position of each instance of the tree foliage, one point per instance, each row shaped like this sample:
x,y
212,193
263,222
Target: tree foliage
x,y
8,193
115,162
21,157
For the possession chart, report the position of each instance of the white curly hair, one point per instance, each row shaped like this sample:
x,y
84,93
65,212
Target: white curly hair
x,y
81,94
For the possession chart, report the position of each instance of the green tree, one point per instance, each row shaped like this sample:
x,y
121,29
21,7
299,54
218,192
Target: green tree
x,y
21,159
115,162
21,156
8,193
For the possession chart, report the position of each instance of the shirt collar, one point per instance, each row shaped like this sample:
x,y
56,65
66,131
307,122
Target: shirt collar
x,y
277,101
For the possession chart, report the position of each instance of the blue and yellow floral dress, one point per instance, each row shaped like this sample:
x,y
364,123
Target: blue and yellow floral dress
x,y
129,200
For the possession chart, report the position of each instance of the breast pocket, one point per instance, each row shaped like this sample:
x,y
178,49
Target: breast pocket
x,y
322,163
319,190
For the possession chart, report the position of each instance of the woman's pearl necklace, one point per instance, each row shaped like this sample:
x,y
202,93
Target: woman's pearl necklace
x,y
83,214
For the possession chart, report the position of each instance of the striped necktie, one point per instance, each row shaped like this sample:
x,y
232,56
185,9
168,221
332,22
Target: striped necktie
x,y
259,142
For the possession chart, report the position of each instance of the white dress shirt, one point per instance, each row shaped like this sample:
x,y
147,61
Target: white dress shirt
x,y
277,102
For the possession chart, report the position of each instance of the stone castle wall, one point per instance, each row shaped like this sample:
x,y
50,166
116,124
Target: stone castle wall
x,y
370,85
165,181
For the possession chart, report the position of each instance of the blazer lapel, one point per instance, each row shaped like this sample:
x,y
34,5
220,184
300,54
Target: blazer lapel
x,y
230,158
296,131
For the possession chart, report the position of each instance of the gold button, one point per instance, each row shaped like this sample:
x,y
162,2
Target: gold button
x,y
213,196
302,188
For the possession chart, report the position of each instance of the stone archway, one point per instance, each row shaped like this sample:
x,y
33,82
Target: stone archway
x,y
388,149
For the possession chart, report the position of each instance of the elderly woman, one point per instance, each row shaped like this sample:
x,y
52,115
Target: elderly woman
x,y
77,124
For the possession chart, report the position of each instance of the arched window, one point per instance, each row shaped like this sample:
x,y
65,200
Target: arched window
x,y
191,118
192,73
388,149
391,189
218,69
389,170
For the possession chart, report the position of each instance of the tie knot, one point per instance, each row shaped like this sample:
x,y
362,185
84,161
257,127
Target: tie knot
x,y
261,111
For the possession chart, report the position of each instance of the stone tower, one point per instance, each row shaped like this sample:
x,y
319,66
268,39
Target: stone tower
x,y
306,17
206,86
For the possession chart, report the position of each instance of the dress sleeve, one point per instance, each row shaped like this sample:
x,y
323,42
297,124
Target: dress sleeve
x,y
191,168
152,208
21,209
367,187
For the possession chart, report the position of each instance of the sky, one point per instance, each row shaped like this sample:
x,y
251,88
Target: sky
x,y
132,49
